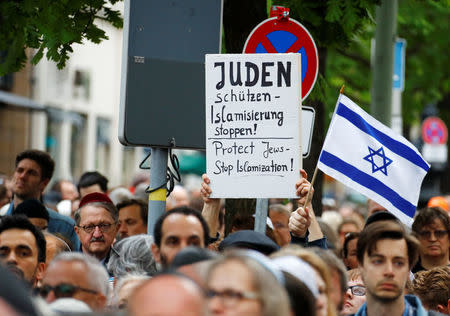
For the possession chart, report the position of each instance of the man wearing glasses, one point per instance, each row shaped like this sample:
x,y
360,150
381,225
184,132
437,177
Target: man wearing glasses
x,y
96,225
432,228
356,293
78,276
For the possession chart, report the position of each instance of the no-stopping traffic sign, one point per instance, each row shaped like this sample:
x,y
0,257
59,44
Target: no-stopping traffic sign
x,y
434,131
286,36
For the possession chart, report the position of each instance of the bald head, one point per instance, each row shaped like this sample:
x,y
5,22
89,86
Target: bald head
x,y
169,295
178,197
55,246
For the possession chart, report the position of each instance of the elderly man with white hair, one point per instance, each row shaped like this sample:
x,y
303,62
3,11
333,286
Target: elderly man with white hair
x,y
76,275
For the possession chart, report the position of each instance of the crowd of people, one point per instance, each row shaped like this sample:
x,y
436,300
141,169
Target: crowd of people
x,y
85,250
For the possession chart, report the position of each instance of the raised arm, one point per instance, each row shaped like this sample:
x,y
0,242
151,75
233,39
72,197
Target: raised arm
x,y
303,219
211,207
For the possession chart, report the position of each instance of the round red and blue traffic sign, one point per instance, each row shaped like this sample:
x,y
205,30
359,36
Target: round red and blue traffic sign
x,y
286,36
434,131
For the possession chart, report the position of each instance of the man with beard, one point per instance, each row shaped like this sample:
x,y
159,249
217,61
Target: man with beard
x,y
96,225
22,248
177,229
386,253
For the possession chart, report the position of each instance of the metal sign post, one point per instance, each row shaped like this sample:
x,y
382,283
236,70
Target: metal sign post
x,y
158,190
398,85
262,206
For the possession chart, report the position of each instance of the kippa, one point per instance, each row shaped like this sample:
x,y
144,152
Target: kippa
x,y
299,269
191,255
32,208
249,239
95,197
380,216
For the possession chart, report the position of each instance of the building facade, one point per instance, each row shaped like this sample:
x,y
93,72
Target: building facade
x,y
79,123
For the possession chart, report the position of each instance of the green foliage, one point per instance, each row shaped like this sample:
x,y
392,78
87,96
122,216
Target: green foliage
x,y
344,29
424,25
333,24
50,27
350,66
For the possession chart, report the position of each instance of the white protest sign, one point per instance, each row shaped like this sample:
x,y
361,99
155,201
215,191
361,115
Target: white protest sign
x,y
253,124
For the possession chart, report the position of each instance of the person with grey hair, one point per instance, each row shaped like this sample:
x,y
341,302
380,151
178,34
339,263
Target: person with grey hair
x,y
69,307
76,275
244,282
97,225
132,255
120,194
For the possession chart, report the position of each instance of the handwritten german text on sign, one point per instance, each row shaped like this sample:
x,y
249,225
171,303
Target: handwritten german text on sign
x,y
253,108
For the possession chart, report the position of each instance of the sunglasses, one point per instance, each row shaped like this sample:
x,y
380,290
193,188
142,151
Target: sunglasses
x,y
426,234
62,290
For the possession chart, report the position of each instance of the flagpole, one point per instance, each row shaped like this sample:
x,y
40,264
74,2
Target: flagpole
x,y
309,195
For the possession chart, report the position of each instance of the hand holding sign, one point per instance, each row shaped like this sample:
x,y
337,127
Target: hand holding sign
x,y
206,191
304,219
253,125
303,186
299,222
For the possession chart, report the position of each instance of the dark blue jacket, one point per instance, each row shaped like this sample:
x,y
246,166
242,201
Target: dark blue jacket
x,y
413,307
304,242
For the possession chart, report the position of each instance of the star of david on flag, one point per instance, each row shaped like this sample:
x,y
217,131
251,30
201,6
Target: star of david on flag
x,y
369,157
372,156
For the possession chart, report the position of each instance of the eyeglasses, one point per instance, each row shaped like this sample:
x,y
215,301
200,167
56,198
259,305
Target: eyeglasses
x,y
62,290
426,234
357,290
231,297
104,228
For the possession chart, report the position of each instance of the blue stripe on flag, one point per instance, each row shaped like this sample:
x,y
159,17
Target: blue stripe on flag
x,y
395,146
368,181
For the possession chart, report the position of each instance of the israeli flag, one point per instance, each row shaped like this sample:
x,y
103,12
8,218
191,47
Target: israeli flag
x,y
369,157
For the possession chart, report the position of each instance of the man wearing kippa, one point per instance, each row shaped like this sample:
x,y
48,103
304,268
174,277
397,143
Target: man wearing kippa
x,y
96,225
